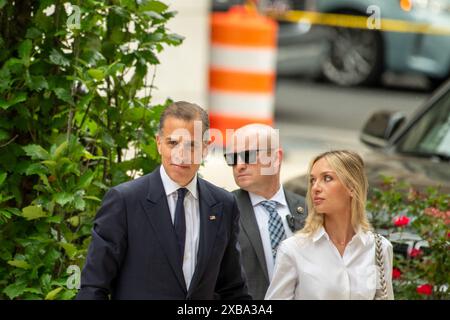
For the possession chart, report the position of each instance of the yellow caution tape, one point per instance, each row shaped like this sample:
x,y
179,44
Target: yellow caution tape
x,y
360,22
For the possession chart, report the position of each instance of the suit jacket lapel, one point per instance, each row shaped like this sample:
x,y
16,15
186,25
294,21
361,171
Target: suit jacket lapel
x,y
297,207
157,212
293,203
210,220
250,226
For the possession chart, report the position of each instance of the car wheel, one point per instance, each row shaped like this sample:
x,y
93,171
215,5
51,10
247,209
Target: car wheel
x,y
355,58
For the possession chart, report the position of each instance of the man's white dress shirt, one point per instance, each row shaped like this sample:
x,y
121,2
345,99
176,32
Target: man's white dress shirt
x,y
311,267
262,218
192,213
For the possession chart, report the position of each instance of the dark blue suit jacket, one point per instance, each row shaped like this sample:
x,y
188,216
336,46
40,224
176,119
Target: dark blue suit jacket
x,y
133,253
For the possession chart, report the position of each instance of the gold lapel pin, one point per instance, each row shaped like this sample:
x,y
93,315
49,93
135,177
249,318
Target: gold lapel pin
x,y
212,217
299,209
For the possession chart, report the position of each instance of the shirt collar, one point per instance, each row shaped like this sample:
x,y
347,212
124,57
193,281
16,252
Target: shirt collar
x,y
278,197
171,186
319,234
360,234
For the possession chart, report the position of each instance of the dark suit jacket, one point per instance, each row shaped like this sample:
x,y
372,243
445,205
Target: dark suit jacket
x,y
253,257
133,253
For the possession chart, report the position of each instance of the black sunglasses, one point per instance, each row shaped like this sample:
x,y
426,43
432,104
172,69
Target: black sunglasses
x,y
247,156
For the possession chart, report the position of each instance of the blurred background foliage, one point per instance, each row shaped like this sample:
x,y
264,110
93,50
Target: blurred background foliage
x,y
422,218
75,118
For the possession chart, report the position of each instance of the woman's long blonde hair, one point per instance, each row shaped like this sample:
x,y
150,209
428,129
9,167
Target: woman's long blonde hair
x,y
349,168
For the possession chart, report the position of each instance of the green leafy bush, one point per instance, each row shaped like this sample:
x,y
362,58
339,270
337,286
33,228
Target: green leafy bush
x,y
74,100
422,269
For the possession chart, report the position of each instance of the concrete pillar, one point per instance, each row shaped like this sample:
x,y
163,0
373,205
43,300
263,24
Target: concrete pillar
x,y
183,72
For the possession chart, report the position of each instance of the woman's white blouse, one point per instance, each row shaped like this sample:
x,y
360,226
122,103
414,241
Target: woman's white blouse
x,y
312,268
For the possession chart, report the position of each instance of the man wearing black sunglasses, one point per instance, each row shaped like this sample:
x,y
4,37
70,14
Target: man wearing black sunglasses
x,y
269,213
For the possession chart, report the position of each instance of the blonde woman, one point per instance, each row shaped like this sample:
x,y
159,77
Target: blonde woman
x,y
333,256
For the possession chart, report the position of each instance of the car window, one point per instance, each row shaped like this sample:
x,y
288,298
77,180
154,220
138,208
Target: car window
x,y
430,135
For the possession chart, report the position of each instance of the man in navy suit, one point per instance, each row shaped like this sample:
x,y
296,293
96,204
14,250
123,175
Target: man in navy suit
x,y
168,234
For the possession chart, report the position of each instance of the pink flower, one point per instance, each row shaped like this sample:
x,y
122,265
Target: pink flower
x,y
415,253
396,273
436,213
401,221
426,289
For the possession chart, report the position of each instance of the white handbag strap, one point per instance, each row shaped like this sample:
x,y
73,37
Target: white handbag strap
x,y
382,293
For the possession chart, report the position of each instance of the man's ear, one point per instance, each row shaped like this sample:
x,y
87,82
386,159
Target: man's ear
x,y
278,157
158,143
206,145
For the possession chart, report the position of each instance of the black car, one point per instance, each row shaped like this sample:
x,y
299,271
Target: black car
x,y
415,150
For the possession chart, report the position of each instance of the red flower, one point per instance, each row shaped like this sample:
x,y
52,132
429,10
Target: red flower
x,y
401,221
415,253
448,234
426,289
396,273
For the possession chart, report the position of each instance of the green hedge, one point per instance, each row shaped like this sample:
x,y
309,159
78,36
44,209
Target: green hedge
x,y
74,97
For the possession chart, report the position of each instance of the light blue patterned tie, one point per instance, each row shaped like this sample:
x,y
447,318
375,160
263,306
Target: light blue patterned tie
x,y
276,229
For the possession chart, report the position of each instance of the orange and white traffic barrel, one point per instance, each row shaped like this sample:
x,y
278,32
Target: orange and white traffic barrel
x,y
242,69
